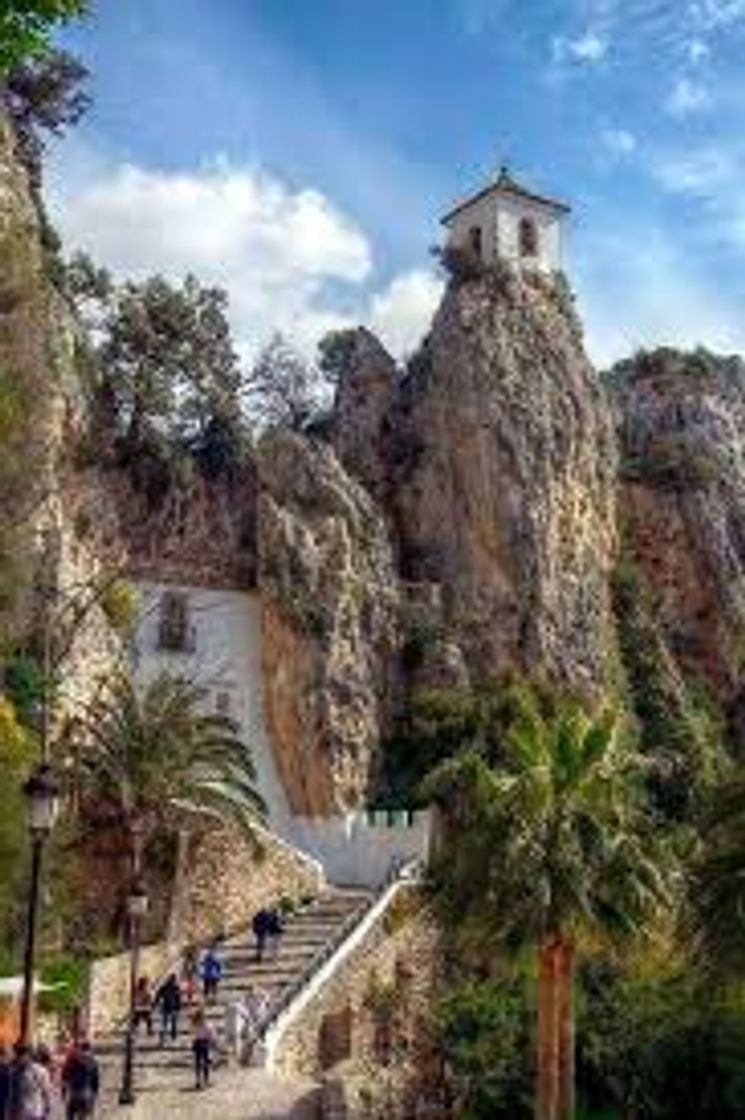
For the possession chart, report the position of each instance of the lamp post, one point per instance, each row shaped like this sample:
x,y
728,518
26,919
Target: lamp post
x,y
137,907
42,798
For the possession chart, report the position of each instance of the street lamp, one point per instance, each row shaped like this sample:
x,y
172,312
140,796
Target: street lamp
x,y
42,799
137,907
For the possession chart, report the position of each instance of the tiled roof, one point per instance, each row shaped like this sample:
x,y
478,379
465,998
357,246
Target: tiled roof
x,y
506,184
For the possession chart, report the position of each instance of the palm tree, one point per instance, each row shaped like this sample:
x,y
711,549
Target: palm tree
x,y
153,758
547,847
717,880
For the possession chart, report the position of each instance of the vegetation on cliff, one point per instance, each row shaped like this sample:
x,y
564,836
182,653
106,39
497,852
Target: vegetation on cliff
x,y
25,27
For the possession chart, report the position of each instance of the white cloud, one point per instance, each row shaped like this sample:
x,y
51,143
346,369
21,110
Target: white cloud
x,y
697,50
587,49
280,252
715,14
703,172
687,97
399,313
713,176
619,142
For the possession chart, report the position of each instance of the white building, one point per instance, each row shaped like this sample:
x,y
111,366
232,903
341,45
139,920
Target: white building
x,y
213,638
504,221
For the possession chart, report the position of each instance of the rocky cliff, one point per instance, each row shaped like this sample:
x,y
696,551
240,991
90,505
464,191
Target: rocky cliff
x,y
329,600
460,522
47,506
505,479
681,419
452,520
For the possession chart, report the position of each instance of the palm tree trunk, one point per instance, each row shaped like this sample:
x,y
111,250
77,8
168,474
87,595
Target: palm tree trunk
x,y
566,960
177,908
549,1056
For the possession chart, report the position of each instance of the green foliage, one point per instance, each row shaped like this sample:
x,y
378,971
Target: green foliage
x,y
484,1031
168,359
25,27
717,879
156,760
550,840
336,350
676,733
68,977
461,264
119,603
437,724
660,1046
25,685
283,390
17,754
671,464
164,377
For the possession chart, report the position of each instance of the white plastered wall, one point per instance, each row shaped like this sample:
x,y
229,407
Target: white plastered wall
x,y
498,216
225,661
355,850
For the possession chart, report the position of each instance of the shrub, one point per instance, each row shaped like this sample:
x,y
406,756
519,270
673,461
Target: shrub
x,y
68,976
483,1030
660,1047
461,264
119,603
24,684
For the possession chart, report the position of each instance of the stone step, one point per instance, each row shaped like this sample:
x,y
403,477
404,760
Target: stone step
x,y
160,1067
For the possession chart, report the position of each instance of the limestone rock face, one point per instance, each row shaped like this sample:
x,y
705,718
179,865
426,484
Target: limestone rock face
x,y
330,609
681,422
42,496
505,478
364,395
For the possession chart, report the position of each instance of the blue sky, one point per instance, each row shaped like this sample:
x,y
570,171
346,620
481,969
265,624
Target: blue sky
x,y
301,152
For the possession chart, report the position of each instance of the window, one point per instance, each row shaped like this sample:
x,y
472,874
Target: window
x,y
528,238
174,632
223,703
474,240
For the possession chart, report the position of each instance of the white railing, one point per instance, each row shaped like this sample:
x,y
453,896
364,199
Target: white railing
x,y
293,999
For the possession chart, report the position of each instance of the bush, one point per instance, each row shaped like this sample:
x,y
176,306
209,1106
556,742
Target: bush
x,y
461,264
660,1047
69,977
484,1032
24,684
119,603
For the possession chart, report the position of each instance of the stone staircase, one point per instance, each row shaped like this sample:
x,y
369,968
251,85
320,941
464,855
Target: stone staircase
x,y
308,940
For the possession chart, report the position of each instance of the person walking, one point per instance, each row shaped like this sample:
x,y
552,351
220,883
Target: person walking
x,y
168,998
31,1096
190,974
251,1012
5,1066
143,1006
260,927
211,972
275,929
80,1082
202,1045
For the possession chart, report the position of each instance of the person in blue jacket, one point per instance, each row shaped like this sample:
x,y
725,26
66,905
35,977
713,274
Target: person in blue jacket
x,y
211,972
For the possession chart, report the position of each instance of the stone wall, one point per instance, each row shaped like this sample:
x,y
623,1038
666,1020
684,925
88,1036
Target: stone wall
x,y
225,882
108,986
377,1004
361,849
